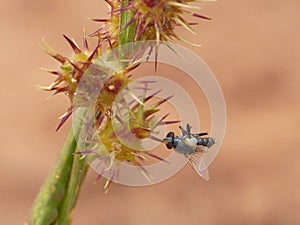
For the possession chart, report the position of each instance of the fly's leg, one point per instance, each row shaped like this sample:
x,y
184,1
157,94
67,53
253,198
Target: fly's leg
x,y
199,134
188,130
183,132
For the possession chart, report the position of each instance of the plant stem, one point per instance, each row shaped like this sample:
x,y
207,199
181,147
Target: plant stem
x,y
78,174
126,35
46,206
59,194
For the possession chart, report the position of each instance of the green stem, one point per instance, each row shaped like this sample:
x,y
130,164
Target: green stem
x,y
46,206
127,35
78,174
58,196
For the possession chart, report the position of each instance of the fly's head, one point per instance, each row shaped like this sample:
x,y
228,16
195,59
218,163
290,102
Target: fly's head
x,y
169,140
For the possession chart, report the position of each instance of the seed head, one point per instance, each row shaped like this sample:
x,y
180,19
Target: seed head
x,y
157,19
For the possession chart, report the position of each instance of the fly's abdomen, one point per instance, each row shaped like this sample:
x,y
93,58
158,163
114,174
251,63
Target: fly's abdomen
x,y
207,142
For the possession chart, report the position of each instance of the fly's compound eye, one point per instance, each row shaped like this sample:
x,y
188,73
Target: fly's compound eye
x,y
170,144
171,135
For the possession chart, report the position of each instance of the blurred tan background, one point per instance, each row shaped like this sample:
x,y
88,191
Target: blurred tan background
x,y
252,47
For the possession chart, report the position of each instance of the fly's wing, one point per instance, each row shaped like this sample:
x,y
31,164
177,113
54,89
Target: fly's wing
x,y
195,161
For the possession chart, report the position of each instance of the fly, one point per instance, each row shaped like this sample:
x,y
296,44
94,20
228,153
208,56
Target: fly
x,y
193,146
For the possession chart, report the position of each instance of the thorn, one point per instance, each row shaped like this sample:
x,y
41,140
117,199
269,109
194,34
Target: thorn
x,y
93,53
85,152
107,186
155,138
100,174
143,171
169,122
201,16
182,22
98,178
145,100
141,88
149,112
73,44
138,30
187,42
64,119
147,81
132,67
52,53
110,44
110,3
142,30
99,20
157,157
135,98
141,157
160,121
122,9
156,57
162,101
75,66
55,72
165,116
184,5
130,22
99,120
49,88
96,33
120,120
151,96
59,90
85,43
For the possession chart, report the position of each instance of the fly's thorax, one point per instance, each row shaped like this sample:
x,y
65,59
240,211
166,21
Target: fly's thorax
x,y
185,145
192,140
